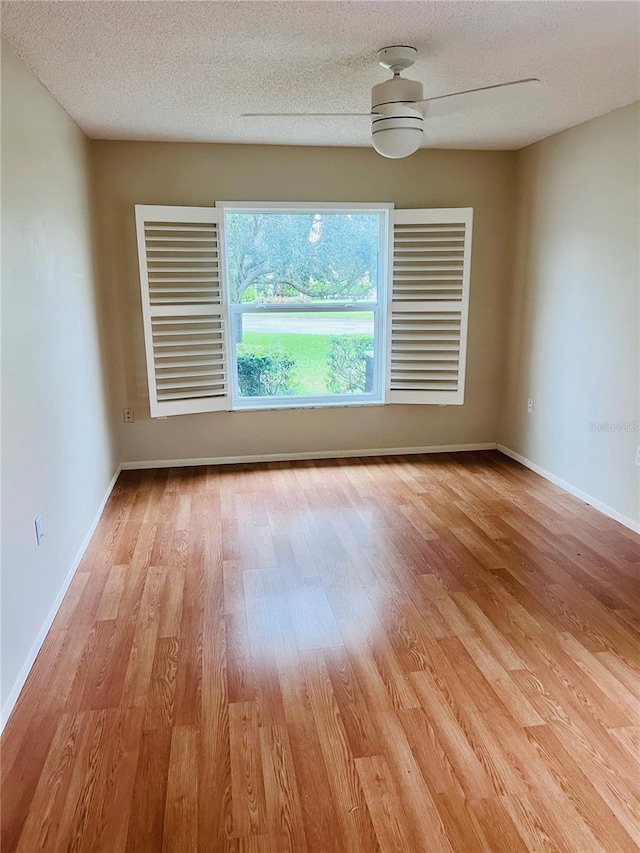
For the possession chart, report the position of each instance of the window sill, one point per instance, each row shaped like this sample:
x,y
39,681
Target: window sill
x,y
266,407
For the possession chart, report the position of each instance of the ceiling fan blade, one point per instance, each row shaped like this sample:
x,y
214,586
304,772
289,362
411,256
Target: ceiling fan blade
x,y
304,115
473,99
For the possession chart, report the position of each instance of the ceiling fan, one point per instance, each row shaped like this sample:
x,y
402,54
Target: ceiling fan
x,y
398,108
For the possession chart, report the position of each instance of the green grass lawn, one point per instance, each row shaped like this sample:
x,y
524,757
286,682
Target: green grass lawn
x,y
309,351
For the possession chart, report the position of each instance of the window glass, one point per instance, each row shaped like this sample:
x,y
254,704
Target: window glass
x,y
303,290
305,354
302,257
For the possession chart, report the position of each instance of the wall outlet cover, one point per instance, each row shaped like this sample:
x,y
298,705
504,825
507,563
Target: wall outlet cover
x,y
530,406
127,415
638,456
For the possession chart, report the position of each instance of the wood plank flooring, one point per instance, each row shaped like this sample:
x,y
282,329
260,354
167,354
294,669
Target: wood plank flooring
x,y
420,654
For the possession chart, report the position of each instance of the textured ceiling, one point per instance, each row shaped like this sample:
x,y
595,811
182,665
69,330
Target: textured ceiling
x,y
187,70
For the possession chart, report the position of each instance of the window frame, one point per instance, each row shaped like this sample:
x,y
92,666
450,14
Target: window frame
x,y
380,308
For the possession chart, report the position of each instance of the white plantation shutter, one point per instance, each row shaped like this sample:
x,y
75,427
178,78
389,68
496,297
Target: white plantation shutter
x,y
428,315
179,250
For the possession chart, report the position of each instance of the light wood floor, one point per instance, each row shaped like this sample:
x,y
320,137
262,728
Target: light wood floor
x,y
414,654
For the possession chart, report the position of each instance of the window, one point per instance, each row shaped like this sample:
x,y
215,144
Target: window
x,y
264,306
307,304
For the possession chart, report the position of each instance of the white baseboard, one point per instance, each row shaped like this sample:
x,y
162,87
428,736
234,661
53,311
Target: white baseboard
x,y
318,454
567,487
12,698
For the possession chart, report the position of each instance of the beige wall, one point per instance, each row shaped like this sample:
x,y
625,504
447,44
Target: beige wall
x,y
57,458
129,173
574,316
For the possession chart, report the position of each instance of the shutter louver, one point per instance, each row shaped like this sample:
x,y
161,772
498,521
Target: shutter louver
x,y
429,306
183,307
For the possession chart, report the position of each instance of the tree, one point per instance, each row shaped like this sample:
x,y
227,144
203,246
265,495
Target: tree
x,y
245,263
347,363
272,256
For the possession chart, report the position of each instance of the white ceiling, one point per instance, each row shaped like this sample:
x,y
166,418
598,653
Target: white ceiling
x,y
187,70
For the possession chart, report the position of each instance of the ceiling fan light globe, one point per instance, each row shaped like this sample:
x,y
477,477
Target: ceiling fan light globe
x,y
396,143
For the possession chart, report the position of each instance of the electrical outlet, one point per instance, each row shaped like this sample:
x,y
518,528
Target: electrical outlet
x,y
638,456
39,531
530,406
127,416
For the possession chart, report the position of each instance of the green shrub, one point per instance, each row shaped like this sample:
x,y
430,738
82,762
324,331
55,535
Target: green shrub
x,y
347,363
264,371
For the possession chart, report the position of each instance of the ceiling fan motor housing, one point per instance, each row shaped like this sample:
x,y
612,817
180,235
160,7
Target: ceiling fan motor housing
x,y
396,91
396,127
